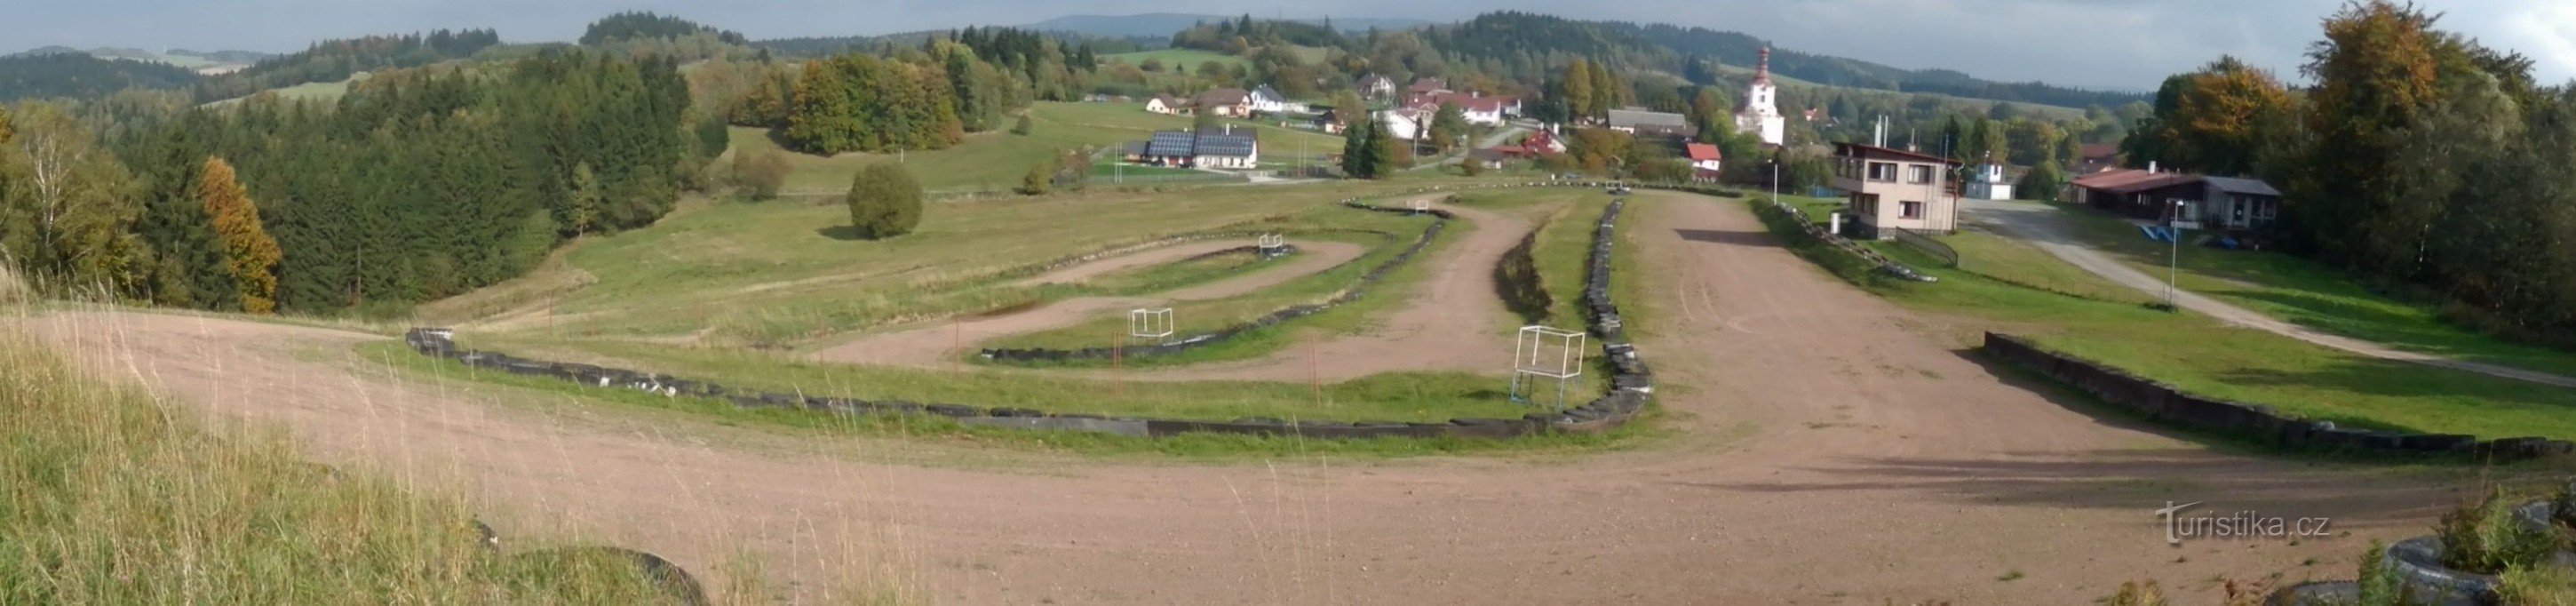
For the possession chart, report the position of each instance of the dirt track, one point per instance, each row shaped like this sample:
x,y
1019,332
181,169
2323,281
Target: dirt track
x,y
1454,321
937,346
1832,451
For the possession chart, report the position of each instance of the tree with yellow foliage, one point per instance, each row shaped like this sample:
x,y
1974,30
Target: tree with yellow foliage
x,y
249,254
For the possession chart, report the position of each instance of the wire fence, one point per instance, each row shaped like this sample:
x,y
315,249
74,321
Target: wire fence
x,y
1917,240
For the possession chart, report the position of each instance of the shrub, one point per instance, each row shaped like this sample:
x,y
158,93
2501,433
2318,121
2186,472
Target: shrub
x,y
1023,127
2545,585
1040,177
2483,537
885,201
761,173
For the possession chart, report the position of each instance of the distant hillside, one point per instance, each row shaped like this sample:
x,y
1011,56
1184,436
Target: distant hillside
x,y
1512,37
335,60
1163,25
181,58
77,74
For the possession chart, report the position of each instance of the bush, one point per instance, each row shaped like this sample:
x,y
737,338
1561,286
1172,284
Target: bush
x,y
2483,537
1023,127
2545,585
1517,279
761,173
885,201
1040,177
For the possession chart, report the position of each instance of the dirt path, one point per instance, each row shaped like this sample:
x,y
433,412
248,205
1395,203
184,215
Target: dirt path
x,y
1453,321
2040,225
937,346
1831,452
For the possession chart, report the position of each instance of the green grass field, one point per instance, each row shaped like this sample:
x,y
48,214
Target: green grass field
x,y
996,161
2200,355
310,91
2313,295
1187,58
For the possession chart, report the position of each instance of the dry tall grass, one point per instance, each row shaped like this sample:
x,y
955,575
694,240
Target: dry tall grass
x,y
109,496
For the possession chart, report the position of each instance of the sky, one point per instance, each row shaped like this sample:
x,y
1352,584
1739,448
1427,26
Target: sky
x,y
2113,44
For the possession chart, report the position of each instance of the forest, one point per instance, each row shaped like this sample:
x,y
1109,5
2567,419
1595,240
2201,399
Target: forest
x,y
418,184
2418,160
893,97
74,74
647,25
335,60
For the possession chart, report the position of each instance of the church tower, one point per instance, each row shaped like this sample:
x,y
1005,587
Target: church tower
x,y
1761,112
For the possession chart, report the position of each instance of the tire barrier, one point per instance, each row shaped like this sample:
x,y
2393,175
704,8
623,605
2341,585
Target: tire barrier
x,y
1837,242
1631,384
1358,289
668,578
2166,403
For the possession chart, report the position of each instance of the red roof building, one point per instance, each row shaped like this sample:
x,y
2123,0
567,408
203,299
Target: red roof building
x,y
1705,161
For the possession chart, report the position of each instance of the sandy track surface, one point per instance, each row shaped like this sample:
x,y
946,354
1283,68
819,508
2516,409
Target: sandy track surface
x,y
937,346
1833,451
2040,225
1454,320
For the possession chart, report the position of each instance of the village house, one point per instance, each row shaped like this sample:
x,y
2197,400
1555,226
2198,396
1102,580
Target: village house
x,y
1475,107
1649,123
1376,86
1164,104
1428,86
1267,100
1990,182
1705,160
2194,201
1227,102
2097,157
1330,122
1895,188
1404,124
1223,148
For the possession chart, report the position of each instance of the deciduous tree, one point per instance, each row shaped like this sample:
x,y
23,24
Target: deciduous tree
x,y
67,207
884,201
250,255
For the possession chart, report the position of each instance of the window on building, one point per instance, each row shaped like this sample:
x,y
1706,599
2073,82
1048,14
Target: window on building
x,y
1882,171
1913,210
1918,174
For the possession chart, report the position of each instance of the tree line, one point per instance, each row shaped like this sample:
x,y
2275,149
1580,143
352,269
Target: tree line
x,y
79,75
897,98
335,60
418,184
2418,158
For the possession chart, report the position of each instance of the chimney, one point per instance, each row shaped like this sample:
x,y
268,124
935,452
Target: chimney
x,y
2151,167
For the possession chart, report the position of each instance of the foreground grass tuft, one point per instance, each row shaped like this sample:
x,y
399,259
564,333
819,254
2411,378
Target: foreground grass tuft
x,y
108,496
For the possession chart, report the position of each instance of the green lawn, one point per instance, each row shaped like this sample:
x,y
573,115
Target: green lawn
x,y
2313,295
996,161
1187,58
310,91
2200,355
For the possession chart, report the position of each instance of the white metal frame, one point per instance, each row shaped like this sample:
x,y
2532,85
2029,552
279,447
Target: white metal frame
x,y
1150,323
1271,243
1421,206
1543,353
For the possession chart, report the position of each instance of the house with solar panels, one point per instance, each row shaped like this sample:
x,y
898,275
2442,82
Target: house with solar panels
x,y
1224,148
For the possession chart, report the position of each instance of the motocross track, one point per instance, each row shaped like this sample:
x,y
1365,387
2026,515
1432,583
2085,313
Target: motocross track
x,y
1833,448
939,345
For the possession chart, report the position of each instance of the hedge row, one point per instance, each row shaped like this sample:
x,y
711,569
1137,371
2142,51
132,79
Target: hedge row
x,y
2166,403
1630,387
1358,289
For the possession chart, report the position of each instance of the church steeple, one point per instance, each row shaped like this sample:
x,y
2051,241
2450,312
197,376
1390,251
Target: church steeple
x,y
1762,73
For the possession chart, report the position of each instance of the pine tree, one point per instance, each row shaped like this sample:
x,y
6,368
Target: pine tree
x,y
1355,147
1040,177
250,254
585,199
1381,153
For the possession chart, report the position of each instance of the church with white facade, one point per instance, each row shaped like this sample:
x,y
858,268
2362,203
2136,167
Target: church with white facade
x,y
1761,112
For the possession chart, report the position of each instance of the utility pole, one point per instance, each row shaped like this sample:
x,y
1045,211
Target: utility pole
x,y
2173,263
1775,181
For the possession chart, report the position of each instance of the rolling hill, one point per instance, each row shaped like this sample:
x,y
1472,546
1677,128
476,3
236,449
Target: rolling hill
x,y
1159,25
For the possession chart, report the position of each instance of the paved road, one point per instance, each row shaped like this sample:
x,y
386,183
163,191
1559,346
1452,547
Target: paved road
x,y
2040,225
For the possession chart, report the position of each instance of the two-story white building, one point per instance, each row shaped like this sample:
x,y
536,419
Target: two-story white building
x,y
1891,188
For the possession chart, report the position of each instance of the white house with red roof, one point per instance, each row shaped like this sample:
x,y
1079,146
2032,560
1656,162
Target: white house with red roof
x,y
1477,108
1761,112
1705,160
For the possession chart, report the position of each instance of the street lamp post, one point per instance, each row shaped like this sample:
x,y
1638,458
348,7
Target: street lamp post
x,y
1775,181
2173,260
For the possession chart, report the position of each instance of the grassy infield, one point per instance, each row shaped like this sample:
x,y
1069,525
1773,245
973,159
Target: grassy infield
x,y
1391,396
2007,286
